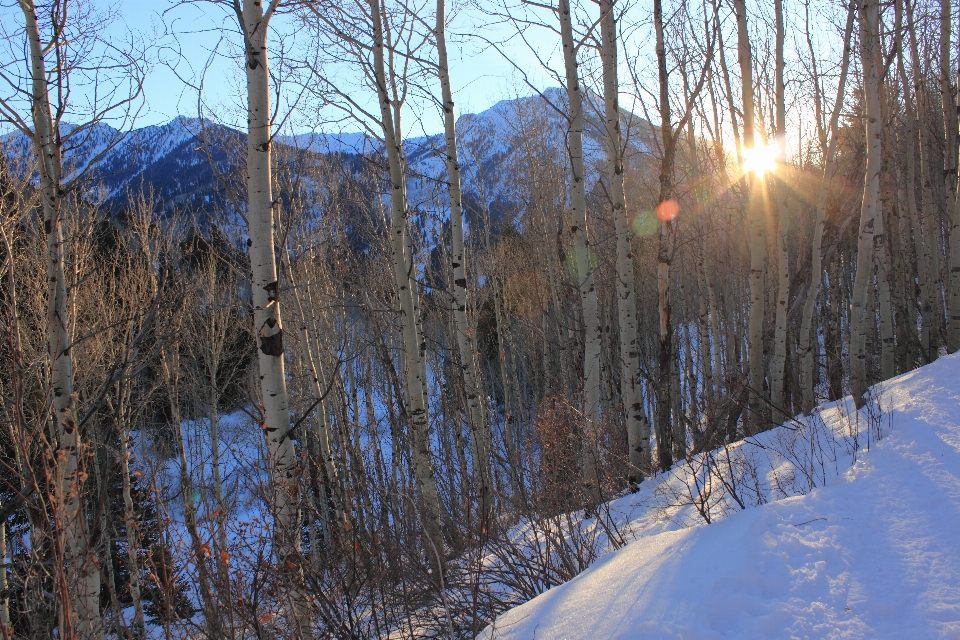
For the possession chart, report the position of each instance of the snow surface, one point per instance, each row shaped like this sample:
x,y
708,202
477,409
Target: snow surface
x,y
871,552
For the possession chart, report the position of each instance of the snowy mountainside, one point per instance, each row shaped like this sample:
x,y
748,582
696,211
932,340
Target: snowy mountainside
x,y
190,164
850,531
173,159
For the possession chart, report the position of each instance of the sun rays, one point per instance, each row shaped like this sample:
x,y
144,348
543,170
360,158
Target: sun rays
x,y
760,159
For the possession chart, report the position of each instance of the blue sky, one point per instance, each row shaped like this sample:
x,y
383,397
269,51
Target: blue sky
x,y
480,78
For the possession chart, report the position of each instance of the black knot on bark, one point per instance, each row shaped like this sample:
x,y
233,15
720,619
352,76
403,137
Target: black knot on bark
x,y
271,289
272,345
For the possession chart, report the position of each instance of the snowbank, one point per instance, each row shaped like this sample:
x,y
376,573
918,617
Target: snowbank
x,y
873,552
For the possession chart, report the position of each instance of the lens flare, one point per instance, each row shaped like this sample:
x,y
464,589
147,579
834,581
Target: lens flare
x,y
760,159
667,210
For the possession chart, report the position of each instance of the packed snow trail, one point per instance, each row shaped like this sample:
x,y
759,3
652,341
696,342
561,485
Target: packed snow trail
x,y
875,554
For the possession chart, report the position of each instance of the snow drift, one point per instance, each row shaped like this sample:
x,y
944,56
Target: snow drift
x,y
867,551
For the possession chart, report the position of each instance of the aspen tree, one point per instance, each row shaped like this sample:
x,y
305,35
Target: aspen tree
x,y
582,257
666,212
930,216
254,21
464,332
921,244
756,194
638,427
79,585
869,21
408,295
829,138
882,268
782,221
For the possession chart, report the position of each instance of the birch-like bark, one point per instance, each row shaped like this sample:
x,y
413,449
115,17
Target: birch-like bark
x,y
869,57
829,139
756,193
666,211
928,208
80,604
638,427
921,245
883,262
466,348
582,255
265,293
782,219
406,284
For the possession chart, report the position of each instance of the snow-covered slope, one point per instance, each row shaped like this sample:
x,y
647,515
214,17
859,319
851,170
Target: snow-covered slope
x,y
875,553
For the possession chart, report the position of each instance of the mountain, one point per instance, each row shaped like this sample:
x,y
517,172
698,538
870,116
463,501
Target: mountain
x,y
197,165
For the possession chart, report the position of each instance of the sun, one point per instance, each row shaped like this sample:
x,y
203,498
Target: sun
x,y
760,159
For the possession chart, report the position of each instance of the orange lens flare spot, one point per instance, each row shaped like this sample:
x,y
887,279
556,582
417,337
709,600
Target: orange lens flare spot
x,y
667,210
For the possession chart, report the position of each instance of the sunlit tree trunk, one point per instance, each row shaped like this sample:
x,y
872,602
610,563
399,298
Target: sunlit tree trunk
x,y
777,367
79,586
756,194
414,346
921,244
883,262
464,333
638,427
666,212
829,139
583,258
265,291
869,57
928,208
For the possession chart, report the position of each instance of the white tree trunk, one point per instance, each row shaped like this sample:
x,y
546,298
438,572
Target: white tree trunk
x,y
928,208
80,606
266,308
464,332
782,219
882,262
406,286
583,260
807,344
869,56
756,193
638,427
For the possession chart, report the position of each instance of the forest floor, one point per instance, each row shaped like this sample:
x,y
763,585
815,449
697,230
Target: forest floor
x,y
870,548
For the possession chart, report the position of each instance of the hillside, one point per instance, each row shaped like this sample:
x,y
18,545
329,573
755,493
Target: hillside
x,y
872,554
192,164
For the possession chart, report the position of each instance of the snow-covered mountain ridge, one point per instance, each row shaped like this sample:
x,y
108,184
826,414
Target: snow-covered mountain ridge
x,y
188,163
868,551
